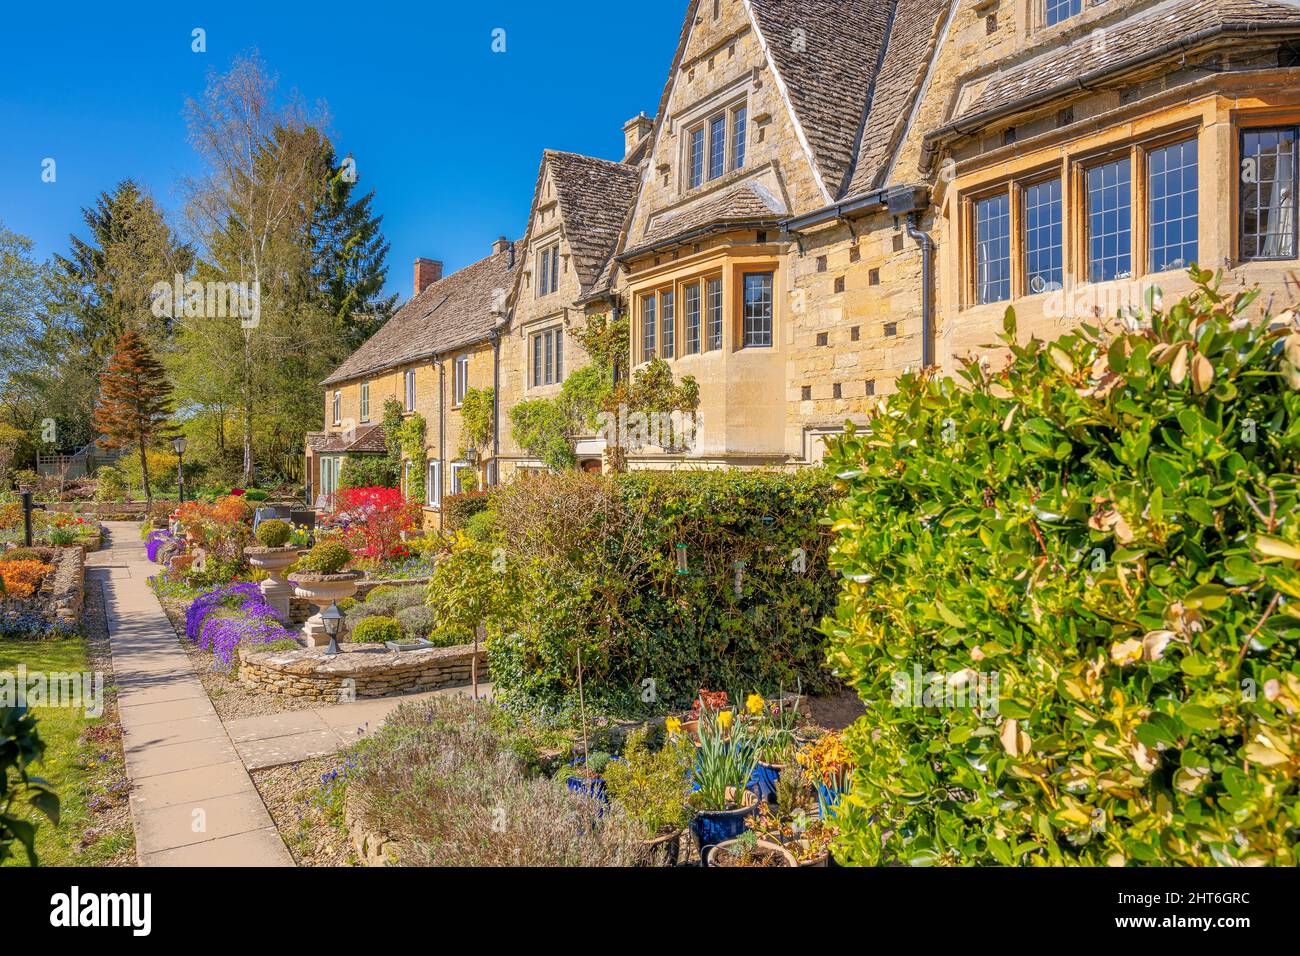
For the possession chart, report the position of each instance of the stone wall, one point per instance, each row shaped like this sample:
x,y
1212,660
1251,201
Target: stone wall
x,y
361,671
62,593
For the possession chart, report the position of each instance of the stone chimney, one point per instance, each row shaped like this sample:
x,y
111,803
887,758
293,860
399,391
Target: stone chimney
x,y
500,246
635,130
427,272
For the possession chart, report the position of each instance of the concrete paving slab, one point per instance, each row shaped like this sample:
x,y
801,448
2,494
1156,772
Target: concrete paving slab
x,y
278,751
199,821
256,848
188,786
138,738
168,758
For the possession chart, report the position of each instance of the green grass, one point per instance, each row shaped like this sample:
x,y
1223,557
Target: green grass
x,y
80,764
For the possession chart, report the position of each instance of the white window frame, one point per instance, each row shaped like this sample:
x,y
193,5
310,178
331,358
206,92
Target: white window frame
x,y
433,484
337,408
365,402
410,390
459,380
456,468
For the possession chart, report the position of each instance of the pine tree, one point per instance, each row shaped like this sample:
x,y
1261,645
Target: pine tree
x,y
348,255
134,401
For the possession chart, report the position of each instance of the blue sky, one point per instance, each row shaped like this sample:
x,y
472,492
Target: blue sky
x,y
447,133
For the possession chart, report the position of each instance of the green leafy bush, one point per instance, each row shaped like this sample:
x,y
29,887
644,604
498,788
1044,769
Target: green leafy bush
x,y
110,485
481,526
458,509
667,582
653,787
274,533
326,557
1110,527
417,622
20,747
367,471
377,630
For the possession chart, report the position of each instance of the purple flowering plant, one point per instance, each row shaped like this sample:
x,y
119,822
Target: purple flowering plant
x,y
221,620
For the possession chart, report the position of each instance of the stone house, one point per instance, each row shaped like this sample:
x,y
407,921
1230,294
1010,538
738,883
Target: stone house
x,y
833,192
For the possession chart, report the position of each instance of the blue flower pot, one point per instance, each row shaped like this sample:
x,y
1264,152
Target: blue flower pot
x,y
829,798
763,781
712,827
593,787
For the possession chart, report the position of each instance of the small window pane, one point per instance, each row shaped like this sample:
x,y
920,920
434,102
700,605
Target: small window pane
x,y
738,120
695,160
537,360
993,249
1043,264
691,315
555,268
1110,234
648,327
1058,10
1172,197
715,314
549,344
717,146
667,325
757,318
1268,199
559,354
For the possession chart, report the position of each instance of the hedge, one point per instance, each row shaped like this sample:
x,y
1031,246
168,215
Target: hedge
x,y
668,582
1109,526
458,509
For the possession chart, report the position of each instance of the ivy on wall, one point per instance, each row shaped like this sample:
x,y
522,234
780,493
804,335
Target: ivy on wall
x,y
404,437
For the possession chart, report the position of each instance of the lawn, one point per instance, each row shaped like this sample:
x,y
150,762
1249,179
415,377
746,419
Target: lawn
x,y
83,763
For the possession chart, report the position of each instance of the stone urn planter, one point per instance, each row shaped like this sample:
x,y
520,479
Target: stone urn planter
x,y
276,588
322,590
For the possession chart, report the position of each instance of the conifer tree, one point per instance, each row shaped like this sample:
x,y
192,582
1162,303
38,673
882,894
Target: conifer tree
x,y
134,401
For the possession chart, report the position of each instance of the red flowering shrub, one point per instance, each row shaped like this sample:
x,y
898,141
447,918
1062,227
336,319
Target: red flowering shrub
x,y
372,521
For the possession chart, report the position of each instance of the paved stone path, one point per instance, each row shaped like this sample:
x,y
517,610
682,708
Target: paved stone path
x,y
192,801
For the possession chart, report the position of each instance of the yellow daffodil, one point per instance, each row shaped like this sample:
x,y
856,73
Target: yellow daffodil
x,y
673,726
754,704
724,719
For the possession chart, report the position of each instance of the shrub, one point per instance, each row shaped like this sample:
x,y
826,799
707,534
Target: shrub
x,y
367,471
21,578
653,787
1110,526
686,579
110,485
458,509
327,556
256,494
221,620
381,592
481,526
25,554
417,622
372,520
377,630
274,533
441,781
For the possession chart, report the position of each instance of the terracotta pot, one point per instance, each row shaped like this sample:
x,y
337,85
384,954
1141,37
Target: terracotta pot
x,y
663,850
764,848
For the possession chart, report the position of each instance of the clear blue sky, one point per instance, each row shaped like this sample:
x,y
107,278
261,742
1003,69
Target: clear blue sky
x,y
447,133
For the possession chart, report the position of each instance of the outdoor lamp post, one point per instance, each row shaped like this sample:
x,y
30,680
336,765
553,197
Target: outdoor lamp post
x,y
178,445
332,619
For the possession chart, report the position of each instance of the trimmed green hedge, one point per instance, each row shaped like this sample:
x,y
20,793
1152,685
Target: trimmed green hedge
x,y
1110,528
668,582
458,509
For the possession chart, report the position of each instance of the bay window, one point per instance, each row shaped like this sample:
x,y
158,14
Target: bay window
x,y
649,325
993,248
1110,223
756,315
1268,193
1172,197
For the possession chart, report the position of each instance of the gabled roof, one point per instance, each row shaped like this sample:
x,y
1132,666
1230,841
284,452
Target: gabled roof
x,y
449,314
747,202
1174,25
368,440
827,55
914,36
594,196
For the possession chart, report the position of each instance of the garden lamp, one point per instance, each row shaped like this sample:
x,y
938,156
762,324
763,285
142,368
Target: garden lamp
x,y
178,445
332,619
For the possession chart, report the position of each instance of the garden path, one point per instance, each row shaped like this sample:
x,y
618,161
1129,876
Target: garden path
x,y
192,801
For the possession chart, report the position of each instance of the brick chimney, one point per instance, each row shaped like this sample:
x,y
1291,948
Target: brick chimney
x,y
635,130
427,272
500,246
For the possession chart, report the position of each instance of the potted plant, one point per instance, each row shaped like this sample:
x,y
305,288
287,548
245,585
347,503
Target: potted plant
x,y
586,776
274,554
724,764
774,726
321,579
715,700
749,851
830,765
653,788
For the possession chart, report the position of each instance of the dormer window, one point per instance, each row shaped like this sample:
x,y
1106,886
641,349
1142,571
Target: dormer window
x,y
1059,11
548,270
715,145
